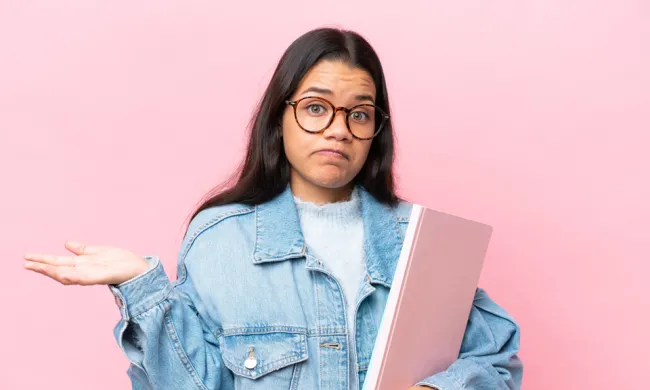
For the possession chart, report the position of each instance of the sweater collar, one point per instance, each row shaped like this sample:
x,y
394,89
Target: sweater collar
x,y
279,236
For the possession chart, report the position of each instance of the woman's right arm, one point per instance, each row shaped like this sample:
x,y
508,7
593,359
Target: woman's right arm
x,y
168,343
161,332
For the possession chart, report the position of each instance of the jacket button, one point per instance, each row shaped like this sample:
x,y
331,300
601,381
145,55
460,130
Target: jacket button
x,y
251,361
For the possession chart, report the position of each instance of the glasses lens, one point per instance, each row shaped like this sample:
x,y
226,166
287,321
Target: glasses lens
x,y
366,120
313,114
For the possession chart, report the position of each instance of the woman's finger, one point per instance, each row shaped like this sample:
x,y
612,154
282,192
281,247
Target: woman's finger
x,y
63,275
41,268
51,259
79,248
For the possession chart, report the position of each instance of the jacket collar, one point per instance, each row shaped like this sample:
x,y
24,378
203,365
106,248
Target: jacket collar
x,y
279,236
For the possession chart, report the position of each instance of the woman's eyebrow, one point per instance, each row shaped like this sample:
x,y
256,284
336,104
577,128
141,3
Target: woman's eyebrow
x,y
365,97
325,91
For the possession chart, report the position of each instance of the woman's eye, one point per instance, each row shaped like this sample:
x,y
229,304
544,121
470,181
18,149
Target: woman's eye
x,y
359,116
315,109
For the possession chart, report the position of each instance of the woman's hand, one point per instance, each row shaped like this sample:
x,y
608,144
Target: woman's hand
x,y
90,265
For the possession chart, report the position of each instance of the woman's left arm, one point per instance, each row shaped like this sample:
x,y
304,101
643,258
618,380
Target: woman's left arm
x,y
488,355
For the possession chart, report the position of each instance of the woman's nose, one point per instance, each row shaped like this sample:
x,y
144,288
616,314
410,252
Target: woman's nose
x,y
338,129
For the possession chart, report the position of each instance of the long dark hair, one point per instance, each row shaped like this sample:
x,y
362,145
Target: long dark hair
x,y
265,172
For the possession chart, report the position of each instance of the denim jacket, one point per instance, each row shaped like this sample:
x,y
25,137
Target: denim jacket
x,y
252,308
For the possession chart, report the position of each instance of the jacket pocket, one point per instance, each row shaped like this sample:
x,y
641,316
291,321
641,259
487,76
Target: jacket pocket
x,y
264,358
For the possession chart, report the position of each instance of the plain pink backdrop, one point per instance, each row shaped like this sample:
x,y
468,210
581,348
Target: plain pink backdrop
x,y
533,116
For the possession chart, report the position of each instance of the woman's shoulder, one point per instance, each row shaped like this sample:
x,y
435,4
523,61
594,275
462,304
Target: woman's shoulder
x,y
212,216
215,221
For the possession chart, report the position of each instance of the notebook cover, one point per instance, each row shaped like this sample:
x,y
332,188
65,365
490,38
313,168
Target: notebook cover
x,y
430,299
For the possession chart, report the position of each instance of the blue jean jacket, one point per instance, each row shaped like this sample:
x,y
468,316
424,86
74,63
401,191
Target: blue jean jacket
x,y
252,308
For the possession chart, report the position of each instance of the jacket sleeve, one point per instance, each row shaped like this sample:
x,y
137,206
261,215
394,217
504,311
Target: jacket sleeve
x,y
164,335
488,355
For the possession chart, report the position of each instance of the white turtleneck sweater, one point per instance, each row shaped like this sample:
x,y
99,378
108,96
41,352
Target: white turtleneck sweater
x,y
333,233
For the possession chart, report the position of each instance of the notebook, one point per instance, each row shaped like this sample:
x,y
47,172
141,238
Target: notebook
x,y
428,306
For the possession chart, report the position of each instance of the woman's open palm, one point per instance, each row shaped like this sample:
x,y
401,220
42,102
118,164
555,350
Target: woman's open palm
x,y
89,265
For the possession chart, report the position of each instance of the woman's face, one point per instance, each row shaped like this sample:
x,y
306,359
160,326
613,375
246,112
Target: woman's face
x,y
332,158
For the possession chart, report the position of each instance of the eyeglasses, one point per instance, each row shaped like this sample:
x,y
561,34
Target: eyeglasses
x,y
315,114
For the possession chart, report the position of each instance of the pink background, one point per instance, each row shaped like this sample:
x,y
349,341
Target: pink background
x,y
533,116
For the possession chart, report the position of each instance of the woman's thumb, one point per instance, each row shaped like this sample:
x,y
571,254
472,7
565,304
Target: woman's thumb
x,y
79,248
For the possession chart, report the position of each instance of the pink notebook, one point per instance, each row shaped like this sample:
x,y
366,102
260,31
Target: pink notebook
x,y
430,299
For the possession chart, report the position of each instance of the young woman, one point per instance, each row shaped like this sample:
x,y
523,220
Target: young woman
x,y
282,278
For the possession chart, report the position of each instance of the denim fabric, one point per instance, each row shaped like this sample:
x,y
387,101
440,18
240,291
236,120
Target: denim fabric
x,y
252,308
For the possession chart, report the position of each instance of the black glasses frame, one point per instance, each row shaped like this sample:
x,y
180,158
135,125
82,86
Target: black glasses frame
x,y
335,110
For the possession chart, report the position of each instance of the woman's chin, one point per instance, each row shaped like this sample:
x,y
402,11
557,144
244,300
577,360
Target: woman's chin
x,y
330,176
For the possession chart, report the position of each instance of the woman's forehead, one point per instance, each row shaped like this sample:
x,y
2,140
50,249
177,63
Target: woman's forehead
x,y
339,78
